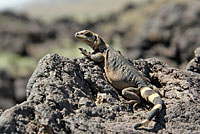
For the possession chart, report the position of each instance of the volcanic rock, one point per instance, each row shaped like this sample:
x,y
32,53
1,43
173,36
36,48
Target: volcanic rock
x,y
62,95
171,34
194,64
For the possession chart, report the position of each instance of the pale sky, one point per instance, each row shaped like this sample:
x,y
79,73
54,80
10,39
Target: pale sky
x,y
19,4
13,4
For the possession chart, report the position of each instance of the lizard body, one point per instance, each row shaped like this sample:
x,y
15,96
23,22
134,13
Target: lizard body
x,y
121,73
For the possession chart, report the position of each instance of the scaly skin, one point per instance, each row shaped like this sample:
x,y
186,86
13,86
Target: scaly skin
x,y
120,73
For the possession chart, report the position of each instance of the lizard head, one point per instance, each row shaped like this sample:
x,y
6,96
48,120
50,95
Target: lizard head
x,y
90,38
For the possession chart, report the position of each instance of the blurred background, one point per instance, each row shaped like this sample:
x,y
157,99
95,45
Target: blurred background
x,y
29,29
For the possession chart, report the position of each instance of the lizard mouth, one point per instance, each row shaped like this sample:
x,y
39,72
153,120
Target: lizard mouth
x,y
78,35
82,38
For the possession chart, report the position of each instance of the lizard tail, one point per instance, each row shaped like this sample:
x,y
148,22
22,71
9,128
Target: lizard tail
x,y
150,95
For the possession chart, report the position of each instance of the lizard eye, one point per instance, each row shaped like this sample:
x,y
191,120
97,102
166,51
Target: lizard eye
x,y
88,34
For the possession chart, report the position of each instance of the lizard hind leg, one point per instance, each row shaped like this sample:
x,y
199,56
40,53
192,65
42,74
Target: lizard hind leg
x,y
131,93
153,97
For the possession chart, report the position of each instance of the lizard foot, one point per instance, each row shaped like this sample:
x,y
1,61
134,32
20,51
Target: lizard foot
x,y
84,52
133,102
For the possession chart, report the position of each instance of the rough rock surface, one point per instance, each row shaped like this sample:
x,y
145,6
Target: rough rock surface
x,y
61,97
194,64
172,34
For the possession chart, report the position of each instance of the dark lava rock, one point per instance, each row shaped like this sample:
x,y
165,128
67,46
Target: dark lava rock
x,y
20,88
171,34
1,111
18,32
7,97
12,90
194,64
66,26
62,92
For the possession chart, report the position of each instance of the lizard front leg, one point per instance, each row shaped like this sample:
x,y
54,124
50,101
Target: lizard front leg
x,y
132,94
97,57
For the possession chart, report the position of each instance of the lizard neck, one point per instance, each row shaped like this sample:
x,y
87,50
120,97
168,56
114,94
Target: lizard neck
x,y
101,47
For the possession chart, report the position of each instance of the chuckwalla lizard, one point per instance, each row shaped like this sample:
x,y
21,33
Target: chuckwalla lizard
x,y
121,73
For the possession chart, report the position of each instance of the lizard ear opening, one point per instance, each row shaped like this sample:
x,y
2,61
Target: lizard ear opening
x,y
88,34
95,38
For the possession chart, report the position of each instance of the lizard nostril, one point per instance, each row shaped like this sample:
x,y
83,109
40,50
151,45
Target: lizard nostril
x,y
77,34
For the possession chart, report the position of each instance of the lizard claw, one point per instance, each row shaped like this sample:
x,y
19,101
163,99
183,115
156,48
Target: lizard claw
x,y
134,105
84,52
132,102
129,102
